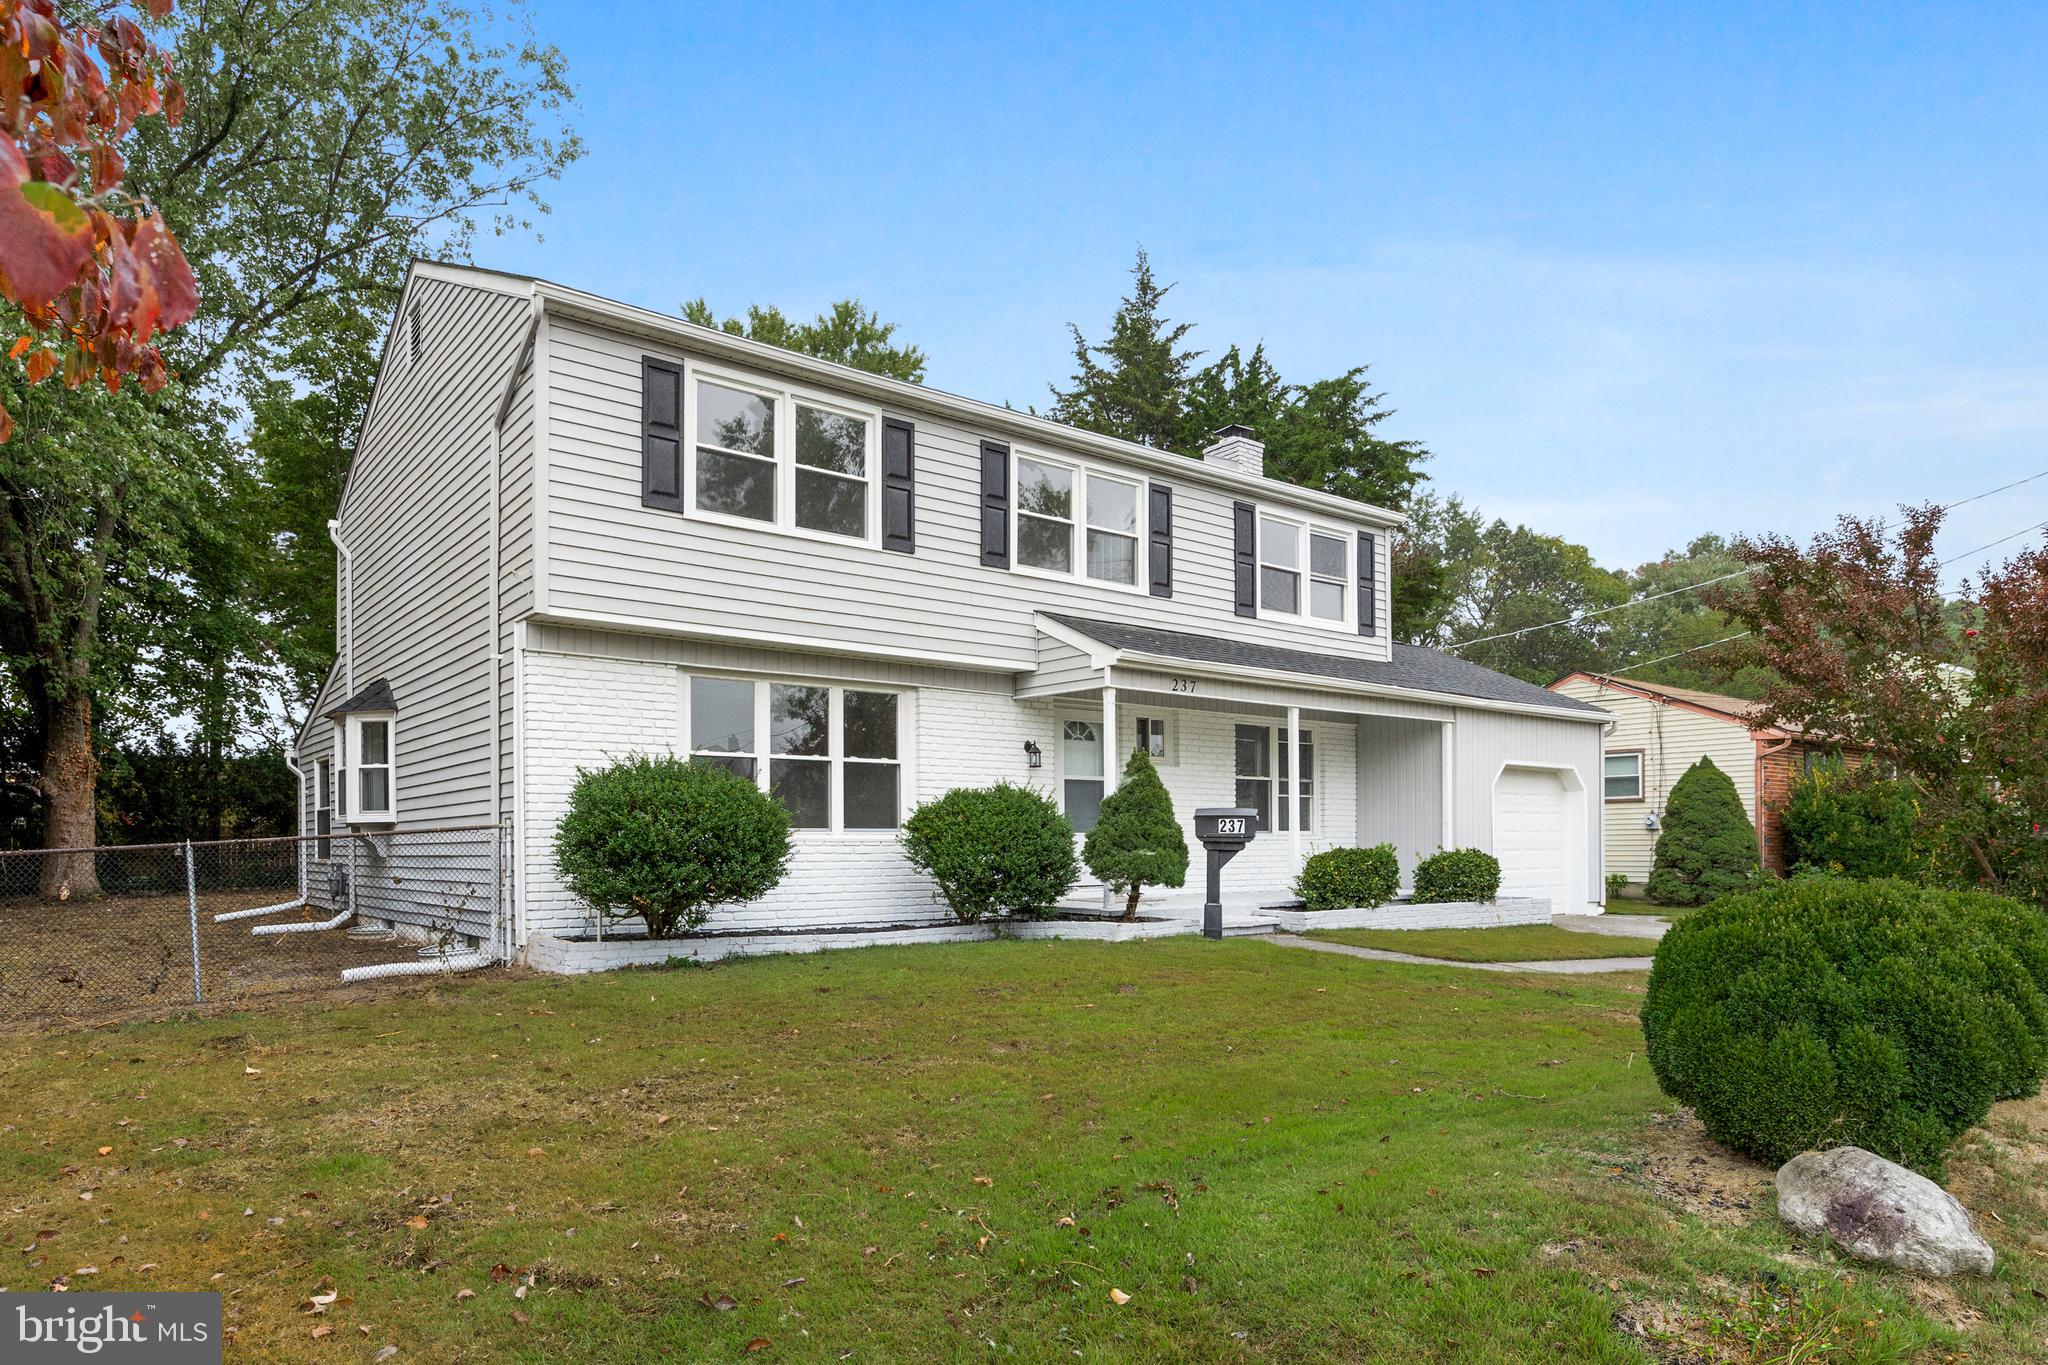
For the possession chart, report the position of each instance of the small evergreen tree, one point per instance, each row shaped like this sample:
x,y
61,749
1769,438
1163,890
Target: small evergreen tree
x,y
1708,847
1136,842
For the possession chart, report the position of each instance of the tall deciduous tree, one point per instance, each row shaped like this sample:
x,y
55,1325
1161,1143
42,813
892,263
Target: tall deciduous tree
x,y
324,143
847,333
1860,644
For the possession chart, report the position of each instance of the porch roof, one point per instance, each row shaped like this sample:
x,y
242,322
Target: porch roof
x,y
1427,672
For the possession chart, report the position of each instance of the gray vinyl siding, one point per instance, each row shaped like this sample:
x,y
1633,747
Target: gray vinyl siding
x,y
609,558
1400,788
713,657
416,517
1061,668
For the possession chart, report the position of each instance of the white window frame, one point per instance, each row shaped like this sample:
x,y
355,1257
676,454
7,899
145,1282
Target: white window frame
x,y
1605,759
1080,473
1277,786
323,804
1165,727
356,813
764,756
784,398
1305,529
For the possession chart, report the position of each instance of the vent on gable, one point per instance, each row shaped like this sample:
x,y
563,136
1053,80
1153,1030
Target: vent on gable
x,y
419,335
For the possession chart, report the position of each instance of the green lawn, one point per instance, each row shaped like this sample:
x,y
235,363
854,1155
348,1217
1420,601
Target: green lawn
x,y
1514,943
1623,906
952,1152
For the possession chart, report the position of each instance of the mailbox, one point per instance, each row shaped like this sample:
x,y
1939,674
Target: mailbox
x,y
1224,831
1226,826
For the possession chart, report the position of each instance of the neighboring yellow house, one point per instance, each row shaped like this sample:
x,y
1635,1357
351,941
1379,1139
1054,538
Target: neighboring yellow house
x,y
1661,731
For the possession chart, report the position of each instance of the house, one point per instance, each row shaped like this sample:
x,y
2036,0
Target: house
x,y
1659,732
576,529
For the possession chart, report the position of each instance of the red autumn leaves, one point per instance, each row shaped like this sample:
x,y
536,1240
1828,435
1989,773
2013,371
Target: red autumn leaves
x,y
95,270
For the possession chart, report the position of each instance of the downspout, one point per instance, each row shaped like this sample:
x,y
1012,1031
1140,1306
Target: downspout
x,y
508,877
1763,753
347,607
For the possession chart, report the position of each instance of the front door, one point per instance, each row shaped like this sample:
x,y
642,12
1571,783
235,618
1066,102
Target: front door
x,y
1081,769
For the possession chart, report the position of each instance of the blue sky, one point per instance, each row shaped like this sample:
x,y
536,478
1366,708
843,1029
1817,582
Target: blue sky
x,y
1631,273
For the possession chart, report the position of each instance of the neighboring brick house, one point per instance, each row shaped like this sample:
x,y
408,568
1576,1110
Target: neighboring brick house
x,y
1659,732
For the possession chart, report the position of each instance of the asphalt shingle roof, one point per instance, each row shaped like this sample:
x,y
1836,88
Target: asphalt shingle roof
x,y
376,697
1413,668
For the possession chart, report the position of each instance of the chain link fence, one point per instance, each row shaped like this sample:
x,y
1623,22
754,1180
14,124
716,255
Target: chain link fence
x,y
94,934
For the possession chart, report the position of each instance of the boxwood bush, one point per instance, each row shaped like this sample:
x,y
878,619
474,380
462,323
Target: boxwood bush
x,y
1001,850
665,840
1457,874
1348,878
1853,823
1833,1012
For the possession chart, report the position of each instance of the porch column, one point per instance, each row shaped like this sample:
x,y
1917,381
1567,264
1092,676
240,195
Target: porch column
x,y
1294,784
1112,743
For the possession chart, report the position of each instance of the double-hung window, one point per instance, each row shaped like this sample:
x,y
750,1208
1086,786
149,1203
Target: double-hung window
x,y
1623,777
1315,584
1059,503
831,755
781,459
1265,760
366,768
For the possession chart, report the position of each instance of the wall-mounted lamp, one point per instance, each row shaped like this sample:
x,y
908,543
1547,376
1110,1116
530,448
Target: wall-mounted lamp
x,y
1033,755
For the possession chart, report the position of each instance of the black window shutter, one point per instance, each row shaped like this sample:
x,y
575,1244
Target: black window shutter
x,y
1244,524
661,434
1160,518
995,504
899,491
1368,584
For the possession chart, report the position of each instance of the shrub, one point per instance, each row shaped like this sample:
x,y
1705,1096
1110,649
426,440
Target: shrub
x,y
1617,885
1852,824
1457,874
1344,878
1001,850
1829,1012
666,840
1136,842
1708,847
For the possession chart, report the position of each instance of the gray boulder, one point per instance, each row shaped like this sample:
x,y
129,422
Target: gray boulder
x,y
1877,1210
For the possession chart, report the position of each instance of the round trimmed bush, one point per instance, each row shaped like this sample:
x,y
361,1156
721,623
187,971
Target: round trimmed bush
x,y
1457,874
665,840
1707,849
1349,878
1001,850
1832,1012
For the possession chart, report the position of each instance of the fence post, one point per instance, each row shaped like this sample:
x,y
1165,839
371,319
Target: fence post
x,y
192,907
501,918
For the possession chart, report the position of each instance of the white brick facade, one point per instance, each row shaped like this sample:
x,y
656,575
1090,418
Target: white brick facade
x,y
583,711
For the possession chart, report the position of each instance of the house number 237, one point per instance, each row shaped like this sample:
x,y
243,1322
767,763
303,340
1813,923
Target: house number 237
x,y
1183,684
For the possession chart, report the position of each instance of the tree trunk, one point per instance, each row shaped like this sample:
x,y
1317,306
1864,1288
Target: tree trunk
x,y
70,774
1131,905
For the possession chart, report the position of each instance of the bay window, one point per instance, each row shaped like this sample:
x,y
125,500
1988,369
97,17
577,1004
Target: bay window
x,y
775,457
1077,522
367,768
829,754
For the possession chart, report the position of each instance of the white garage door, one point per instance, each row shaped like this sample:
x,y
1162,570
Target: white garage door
x,y
1531,835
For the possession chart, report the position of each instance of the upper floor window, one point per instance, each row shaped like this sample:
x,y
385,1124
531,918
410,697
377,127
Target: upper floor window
x,y
1304,571
831,755
1073,520
781,459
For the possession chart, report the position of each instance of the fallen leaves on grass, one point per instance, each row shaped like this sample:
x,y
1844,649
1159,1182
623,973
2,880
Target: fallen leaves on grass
x,y
1118,1297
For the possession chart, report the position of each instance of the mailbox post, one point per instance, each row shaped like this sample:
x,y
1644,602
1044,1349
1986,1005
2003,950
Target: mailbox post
x,y
1224,831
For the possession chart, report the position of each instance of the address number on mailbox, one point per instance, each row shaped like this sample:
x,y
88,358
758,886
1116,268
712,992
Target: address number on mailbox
x,y
1231,825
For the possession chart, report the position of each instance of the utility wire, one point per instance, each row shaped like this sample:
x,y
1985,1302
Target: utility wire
x,y
1727,639
1742,573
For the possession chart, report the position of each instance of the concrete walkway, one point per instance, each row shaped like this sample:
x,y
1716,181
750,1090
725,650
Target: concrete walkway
x,y
1578,966
1616,926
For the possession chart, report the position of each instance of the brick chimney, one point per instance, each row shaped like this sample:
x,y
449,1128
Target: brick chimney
x,y
1236,448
